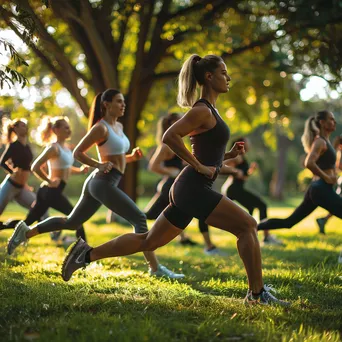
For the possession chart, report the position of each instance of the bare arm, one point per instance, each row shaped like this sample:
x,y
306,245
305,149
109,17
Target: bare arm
x,y
96,135
317,149
134,156
38,165
156,163
5,157
79,170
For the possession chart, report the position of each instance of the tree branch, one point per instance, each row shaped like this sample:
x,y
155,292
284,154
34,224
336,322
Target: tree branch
x,y
166,75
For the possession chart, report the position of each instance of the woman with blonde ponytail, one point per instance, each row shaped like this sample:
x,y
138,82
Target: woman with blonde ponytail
x,y
321,161
191,194
53,132
16,161
101,187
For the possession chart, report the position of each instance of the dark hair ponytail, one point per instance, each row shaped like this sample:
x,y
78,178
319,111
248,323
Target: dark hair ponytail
x,y
97,109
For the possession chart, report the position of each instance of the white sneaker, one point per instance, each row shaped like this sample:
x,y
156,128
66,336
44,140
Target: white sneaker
x,y
339,260
272,240
163,271
18,237
214,251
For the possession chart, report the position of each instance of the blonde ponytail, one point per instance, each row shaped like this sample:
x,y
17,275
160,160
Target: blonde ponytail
x,y
45,134
312,129
193,72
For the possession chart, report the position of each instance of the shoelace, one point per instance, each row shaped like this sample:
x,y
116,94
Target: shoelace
x,y
270,288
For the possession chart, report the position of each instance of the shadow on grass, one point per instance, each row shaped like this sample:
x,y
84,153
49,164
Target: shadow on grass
x,y
150,311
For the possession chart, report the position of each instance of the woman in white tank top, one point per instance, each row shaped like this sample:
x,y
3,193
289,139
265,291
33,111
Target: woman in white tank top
x,y
53,132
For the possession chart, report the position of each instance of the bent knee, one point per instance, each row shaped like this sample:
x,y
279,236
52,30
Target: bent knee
x,y
249,225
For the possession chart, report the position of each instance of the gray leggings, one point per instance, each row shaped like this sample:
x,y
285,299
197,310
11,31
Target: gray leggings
x,y
10,191
99,188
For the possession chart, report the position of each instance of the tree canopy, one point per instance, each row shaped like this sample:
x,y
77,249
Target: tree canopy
x,y
134,45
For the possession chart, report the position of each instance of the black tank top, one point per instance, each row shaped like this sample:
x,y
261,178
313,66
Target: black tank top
x,y
244,167
328,159
174,162
209,147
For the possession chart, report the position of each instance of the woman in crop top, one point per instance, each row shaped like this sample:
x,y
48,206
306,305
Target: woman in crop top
x,y
191,194
166,163
53,133
16,160
320,160
101,187
234,187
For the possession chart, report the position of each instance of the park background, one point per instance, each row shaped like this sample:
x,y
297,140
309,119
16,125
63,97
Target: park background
x,y
284,59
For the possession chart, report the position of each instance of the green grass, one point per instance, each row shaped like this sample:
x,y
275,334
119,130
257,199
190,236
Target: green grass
x,y
116,300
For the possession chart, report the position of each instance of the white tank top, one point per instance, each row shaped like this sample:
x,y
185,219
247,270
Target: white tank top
x,y
116,143
65,159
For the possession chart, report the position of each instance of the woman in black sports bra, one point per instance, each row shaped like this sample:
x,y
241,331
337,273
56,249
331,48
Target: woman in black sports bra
x,y
321,160
166,163
16,161
192,194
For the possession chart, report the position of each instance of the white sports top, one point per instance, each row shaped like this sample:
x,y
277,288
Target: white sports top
x,y
63,161
116,143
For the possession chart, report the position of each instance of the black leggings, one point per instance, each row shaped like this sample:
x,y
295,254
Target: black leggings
x,y
247,199
319,194
49,198
161,200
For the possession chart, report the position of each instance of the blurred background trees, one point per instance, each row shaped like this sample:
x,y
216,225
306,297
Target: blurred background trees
x,y
273,50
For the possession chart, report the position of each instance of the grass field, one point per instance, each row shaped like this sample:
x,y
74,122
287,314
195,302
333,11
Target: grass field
x,y
116,300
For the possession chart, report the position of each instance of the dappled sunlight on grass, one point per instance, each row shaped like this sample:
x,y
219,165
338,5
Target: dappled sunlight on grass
x,y
116,299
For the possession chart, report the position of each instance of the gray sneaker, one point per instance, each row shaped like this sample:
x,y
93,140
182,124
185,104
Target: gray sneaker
x,y
265,298
162,271
272,240
18,237
215,251
75,258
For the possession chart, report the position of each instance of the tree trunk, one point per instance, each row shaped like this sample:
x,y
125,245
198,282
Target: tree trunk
x,y
136,101
279,175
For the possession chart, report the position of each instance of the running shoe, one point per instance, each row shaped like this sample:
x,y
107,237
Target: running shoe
x,y
214,251
272,240
75,258
187,242
264,298
163,271
18,237
340,258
